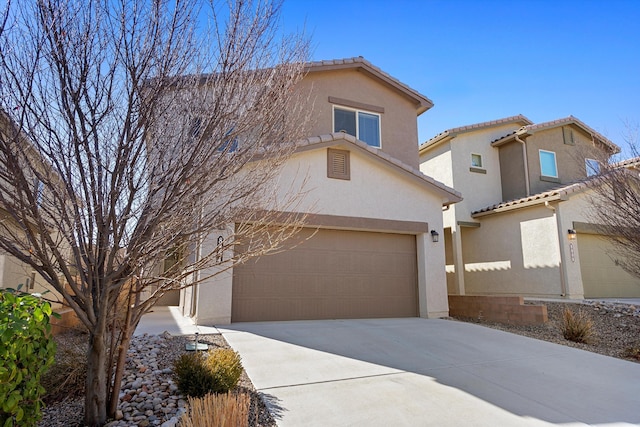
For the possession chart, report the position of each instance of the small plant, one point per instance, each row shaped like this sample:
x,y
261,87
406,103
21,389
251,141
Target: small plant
x,y
66,378
632,352
217,410
198,374
26,352
576,327
226,368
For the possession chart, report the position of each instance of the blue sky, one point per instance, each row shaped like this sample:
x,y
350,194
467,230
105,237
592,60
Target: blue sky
x,y
480,60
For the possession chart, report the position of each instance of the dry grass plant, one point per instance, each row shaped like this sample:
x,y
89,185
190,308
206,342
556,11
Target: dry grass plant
x,y
66,378
632,352
217,410
577,327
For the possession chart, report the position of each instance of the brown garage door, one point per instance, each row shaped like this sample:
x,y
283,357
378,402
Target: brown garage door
x,y
601,277
334,275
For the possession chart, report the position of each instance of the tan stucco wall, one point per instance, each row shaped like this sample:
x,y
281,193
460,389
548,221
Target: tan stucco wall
x,y
398,124
437,164
569,158
450,162
375,190
513,254
512,171
449,263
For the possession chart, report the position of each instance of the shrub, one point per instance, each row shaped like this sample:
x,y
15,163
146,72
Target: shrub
x,y
221,410
198,374
191,375
226,368
26,352
576,327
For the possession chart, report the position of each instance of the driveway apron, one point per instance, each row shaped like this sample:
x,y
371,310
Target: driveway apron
x,y
429,372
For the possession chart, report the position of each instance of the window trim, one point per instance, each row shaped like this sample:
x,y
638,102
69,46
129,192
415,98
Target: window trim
x,y
555,163
481,165
358,111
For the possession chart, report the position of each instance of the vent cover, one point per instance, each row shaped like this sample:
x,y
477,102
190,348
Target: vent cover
x,y
338,166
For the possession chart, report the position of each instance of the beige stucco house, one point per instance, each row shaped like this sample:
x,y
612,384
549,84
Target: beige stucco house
x,y
14,273
372,212
524,226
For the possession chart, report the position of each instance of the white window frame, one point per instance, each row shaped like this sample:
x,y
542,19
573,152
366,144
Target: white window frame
x,y
555,162
481,166
357,111
588,165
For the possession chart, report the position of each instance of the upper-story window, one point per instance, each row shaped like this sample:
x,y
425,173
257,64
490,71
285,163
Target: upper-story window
x,y
363,125
592,166
548,165
476,164
476,160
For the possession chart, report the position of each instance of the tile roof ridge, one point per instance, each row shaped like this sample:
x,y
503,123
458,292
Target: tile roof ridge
x,y
479,125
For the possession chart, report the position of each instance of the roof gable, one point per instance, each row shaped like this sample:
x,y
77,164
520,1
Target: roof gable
x,y
360,64
451,133
570,120
340,138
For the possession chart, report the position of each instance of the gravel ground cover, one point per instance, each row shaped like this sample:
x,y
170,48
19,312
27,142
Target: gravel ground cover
x,y
148,395
616,327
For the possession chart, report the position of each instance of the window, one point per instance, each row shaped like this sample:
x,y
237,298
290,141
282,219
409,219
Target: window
x,y
548,165
38,187
364,126
592,167
476,160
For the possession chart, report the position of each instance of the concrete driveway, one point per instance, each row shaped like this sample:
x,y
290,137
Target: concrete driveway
x,y
418,372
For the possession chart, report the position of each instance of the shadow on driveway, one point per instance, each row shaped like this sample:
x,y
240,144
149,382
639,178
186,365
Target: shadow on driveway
x,y
430,372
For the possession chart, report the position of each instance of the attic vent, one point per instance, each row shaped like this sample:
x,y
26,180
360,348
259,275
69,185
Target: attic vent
x,y
338,166
567,134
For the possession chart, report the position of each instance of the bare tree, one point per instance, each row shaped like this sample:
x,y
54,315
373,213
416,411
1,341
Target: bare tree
x,y
616,205
133,130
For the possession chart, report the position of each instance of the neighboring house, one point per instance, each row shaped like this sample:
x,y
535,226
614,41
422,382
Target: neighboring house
x,y
524,226
375,213
14,273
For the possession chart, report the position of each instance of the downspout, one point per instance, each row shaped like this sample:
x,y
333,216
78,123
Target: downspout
x,y
563,273
526,165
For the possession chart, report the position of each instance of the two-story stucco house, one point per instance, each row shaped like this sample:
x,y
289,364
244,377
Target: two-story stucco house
x,y
373,214
14,273
523,227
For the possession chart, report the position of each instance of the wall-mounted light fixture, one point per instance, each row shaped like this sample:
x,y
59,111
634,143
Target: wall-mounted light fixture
x,y
435,236
571,234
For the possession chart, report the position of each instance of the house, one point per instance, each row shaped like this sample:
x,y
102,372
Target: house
x,y
14,273
368,248
524,226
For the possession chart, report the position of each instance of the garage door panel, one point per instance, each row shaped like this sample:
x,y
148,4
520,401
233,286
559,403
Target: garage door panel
x,y
335,274
601,277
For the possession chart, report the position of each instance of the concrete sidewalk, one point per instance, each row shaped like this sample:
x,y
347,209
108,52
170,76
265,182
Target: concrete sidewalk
x,y
418,372
170,319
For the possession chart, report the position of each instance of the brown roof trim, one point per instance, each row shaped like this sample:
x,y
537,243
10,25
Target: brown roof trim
x,y
571,120
450,195
450,133
359,63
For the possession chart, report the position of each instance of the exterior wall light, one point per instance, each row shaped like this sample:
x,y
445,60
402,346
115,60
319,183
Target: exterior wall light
x,y
435,236
571,234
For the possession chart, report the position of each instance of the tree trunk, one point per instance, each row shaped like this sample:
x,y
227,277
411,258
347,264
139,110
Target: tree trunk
x,y
121,357
95,408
